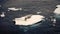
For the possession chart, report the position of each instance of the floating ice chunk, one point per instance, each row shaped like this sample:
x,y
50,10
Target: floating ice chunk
x,y
38,12
58,6
57,10
20,8
2,15
32,20
14,9
54,21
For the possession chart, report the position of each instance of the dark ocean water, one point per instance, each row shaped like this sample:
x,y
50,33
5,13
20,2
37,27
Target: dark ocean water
x,y
47,7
